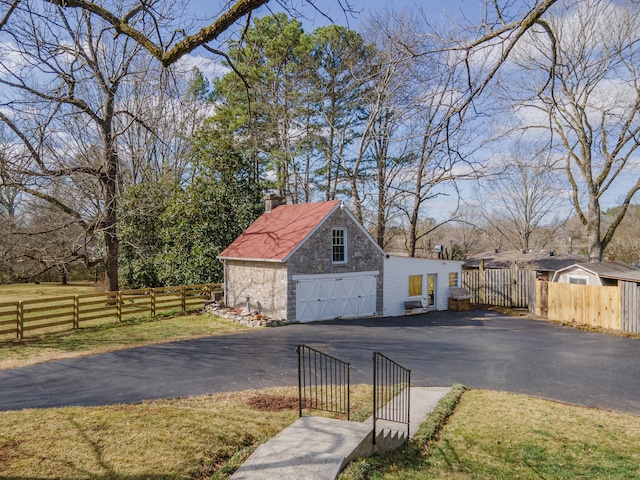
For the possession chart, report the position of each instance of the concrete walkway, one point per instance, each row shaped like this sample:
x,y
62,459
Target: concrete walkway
x,y
318,448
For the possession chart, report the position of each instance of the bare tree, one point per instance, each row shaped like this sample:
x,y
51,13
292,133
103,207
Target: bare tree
x,y
524,198
582,64
61,101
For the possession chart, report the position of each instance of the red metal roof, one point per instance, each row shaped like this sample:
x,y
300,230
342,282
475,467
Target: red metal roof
x,y
277,233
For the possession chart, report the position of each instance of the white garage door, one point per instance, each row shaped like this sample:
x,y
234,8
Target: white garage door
x,y
321,297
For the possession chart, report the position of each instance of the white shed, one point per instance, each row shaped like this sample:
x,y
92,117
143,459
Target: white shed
x,y
428,280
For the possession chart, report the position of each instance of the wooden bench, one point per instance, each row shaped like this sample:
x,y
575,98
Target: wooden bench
x,y
414,306
459,299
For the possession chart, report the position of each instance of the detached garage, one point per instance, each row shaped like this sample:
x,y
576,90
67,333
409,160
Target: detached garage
x,y
305,262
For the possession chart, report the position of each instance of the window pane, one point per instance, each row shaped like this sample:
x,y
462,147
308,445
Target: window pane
x,y
453,279
431,290
338,246
415,285
578,280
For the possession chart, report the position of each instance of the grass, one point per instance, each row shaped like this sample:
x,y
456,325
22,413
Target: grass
x,y
497,435
198,437
471,435
109,337
30,291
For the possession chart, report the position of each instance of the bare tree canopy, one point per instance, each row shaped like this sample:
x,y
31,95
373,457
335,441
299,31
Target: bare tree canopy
x,y
168,45
523,201
582,84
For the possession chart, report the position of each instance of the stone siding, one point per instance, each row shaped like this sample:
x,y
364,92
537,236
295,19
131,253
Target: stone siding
x,y
315,256
264,282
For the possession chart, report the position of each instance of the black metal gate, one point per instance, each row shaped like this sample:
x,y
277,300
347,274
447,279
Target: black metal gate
x,y
391,392
323,382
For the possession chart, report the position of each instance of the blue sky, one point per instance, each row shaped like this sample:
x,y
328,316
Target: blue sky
x,y
455,8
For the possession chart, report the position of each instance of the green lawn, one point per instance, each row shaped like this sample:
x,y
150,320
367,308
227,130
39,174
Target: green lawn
x,y
497,435
197,437
487,435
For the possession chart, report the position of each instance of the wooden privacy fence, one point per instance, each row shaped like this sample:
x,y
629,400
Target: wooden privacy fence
x,y
504,287
73,311
584,304
630,309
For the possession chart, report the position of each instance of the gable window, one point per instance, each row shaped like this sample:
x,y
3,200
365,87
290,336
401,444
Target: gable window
x,y
453,279
578,280
339,245
415,285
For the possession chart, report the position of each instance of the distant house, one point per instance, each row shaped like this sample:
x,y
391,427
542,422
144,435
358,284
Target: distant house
x,y
315,261
545,264
601,274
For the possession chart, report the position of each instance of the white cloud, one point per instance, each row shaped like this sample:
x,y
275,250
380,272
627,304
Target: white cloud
x,y
209,67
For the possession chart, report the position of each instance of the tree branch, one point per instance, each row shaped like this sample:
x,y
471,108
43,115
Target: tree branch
x,y
184,46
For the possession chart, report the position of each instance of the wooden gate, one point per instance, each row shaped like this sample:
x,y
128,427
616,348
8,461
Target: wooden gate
x,y
630,311
504,287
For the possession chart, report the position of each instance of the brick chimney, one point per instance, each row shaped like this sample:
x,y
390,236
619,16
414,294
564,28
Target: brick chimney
x,y
271,201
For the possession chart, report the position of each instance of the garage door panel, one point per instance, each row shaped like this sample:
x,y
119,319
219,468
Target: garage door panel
x,y
367,299
335,297
349,301
316,300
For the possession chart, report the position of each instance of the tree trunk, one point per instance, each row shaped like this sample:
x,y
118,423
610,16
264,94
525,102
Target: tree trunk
x,y
382,203
593,230
413,227
357,204
110,188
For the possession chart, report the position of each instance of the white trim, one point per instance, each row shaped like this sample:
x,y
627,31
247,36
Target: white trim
x,y
345,240
320,276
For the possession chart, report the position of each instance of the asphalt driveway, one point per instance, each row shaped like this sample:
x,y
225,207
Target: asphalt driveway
x,y
478,348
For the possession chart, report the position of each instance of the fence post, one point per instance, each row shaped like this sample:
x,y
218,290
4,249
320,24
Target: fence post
x,y
76,312
20,320
183,294
481,283
513,284
375,396
118,306
298,351
153,302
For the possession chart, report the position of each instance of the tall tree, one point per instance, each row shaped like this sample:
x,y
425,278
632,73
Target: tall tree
x,y
443,130
341,75
201,220
260,101
63,102
582,64
384,149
